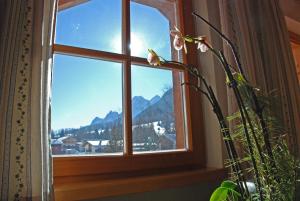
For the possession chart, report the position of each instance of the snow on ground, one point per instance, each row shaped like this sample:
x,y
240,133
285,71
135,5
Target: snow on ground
x,y
158,129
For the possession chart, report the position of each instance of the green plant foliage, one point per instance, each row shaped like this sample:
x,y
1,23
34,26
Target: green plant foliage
x,y
279,182
264,157
229,184
227,191
220,194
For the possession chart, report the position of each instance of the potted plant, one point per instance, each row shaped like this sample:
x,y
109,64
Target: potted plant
x,y
266,170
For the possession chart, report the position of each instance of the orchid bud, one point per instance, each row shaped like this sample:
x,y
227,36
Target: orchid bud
x,y
153,59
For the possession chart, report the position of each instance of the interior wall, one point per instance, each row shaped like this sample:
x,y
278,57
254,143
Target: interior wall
x,y
291,8
213,73
296,53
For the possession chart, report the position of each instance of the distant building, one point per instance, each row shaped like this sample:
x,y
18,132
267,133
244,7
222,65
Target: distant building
x,y
95,146
57,146
64,145
69,142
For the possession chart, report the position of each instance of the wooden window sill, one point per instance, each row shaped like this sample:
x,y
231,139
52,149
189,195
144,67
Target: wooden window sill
x,y
112,187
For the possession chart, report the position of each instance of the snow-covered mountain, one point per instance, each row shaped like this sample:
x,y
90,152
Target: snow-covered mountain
x,y
139,104
109,118
154,100
161,110
158,111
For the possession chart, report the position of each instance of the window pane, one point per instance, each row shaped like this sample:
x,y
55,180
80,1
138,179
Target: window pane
x,y
150,27
157,110
86,106
94,24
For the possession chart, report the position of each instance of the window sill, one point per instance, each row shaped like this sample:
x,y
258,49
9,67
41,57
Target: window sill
x,y
82,190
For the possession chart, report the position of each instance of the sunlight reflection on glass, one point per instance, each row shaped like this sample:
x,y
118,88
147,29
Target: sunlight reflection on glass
x,y
150,28
138,44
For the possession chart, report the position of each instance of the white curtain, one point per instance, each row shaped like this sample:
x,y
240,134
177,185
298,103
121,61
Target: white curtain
x,y
258,28
25,74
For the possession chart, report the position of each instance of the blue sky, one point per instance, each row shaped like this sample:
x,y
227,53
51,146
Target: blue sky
x,y
85,88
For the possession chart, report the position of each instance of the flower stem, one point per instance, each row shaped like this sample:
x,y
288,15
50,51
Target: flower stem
x,y
258,109
230,147
245,120
225,39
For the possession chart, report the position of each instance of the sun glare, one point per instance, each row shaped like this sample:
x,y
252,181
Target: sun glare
x,y
138,44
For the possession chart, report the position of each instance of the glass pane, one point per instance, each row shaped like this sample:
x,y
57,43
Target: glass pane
x,y
157,110
94,24
86,106
150,27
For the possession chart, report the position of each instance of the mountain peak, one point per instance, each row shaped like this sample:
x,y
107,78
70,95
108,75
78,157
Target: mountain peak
x,y
139,103
138,99
96,120
155,99
111,116
161,110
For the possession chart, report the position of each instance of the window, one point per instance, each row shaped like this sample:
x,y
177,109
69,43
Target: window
x,y
111,111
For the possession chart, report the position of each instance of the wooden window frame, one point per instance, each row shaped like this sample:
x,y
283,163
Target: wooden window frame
x,y
68,169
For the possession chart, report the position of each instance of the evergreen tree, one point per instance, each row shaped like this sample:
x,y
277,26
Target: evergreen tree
x,y
116,139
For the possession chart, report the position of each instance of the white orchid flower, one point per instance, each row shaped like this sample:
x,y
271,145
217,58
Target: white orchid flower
x,y
179,40
203,46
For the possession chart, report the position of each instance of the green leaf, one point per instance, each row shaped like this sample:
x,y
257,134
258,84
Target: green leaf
x,y
220,194
235,193
229,184
240,78
151,51
227,80
188,39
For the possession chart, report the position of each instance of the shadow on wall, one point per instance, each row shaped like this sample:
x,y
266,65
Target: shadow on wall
x,y
197,192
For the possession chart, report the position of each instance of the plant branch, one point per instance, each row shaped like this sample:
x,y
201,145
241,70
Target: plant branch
x,y
244,115
199,89
229,144
224,128
225,39
258,109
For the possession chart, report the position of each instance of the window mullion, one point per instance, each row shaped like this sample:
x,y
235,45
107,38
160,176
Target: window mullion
x,y
127,77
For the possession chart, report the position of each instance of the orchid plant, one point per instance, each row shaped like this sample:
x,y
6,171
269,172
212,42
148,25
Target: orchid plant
x,y
266,171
